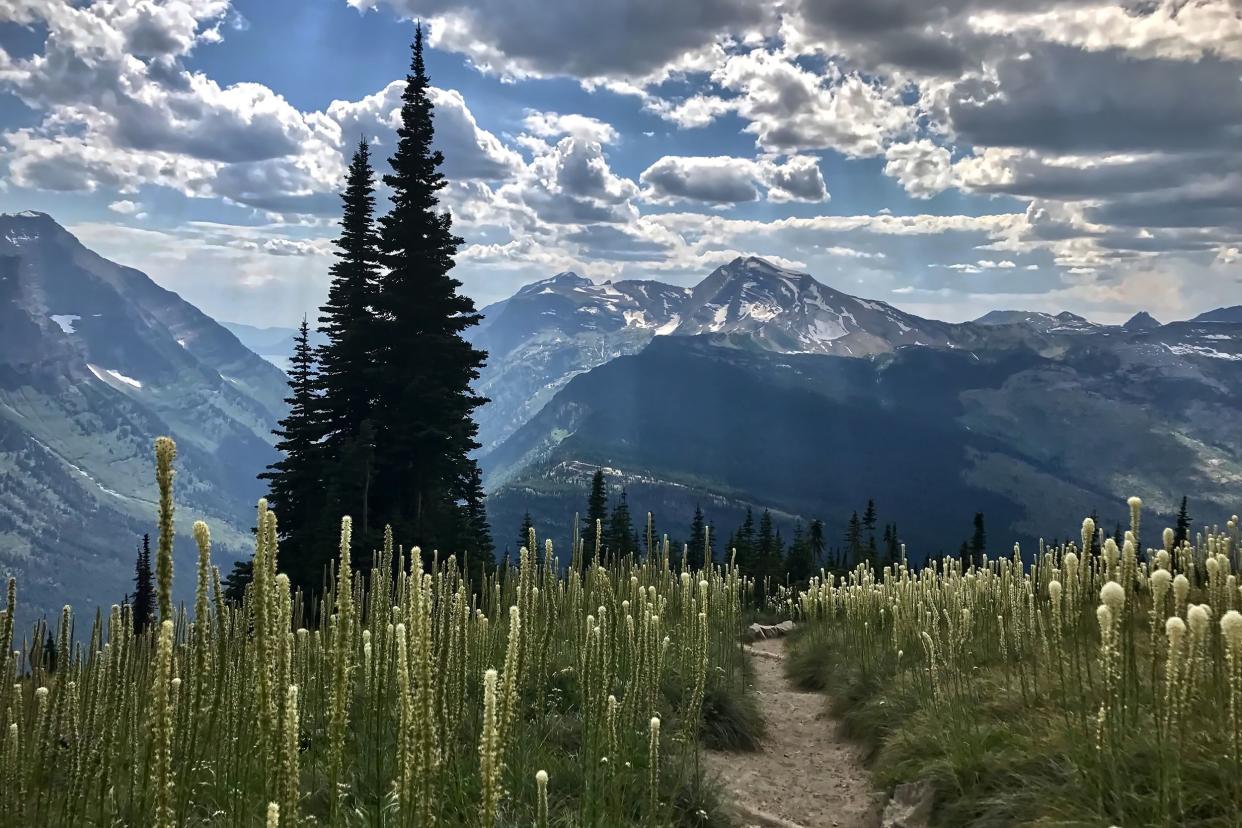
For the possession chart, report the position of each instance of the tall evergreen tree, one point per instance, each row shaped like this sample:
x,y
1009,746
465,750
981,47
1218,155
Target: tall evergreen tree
x,y
597,512
815,543
1181,531
238,579
524,531
144,587
799,563
893,551
621,528
295,489
868,525
766,538
744,543
424,404
1095,538
698,540
479,549
348,361
978,541
853,541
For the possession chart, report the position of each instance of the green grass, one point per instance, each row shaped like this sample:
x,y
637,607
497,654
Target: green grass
x,y
1006,727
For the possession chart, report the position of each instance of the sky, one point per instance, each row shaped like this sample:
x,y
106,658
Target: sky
x,y
948,156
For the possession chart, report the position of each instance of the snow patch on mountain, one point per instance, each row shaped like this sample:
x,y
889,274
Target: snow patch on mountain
x,y
103,374
65,321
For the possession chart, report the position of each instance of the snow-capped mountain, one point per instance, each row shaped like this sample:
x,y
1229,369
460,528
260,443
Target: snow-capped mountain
x,y
96,360
556,328
1045,323
754,303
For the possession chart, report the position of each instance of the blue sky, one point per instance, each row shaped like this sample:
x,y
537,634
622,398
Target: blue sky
x,y
948,156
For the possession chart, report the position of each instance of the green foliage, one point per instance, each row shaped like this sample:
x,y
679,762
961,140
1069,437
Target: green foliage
x,y
597,510
143,606
424,403
295,481
403,697
1071,690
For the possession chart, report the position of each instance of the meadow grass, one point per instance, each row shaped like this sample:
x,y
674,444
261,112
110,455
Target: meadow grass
x,y
1076,689
550,694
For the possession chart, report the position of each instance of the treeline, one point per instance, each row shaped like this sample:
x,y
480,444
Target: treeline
x,y
379,424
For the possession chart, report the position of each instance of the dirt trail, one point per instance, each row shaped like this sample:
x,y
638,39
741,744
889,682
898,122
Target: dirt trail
x,y
805,775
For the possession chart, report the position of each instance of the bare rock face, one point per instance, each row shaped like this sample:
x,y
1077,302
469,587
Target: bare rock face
x,y
760,632
910,806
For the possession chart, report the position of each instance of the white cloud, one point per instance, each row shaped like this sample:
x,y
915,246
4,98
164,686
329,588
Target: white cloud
x,y
554,125
730,180
125,207
610,39
791,108
922,167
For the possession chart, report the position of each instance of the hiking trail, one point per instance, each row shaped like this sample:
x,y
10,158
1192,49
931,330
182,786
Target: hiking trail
x,y
805,773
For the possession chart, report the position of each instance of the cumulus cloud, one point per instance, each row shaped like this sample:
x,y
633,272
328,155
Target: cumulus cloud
x,y
1107,131
1067,100
730,180
717,180
470,152
922,167
608,39
554,125
791,108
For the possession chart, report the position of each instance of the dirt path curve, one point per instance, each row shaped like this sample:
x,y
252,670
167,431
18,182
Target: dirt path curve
x,y
805,775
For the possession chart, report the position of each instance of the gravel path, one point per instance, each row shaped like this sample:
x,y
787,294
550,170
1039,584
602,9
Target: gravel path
x,y
805,775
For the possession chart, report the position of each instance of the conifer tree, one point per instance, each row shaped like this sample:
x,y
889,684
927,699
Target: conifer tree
x,y
424,404
620,528
295,489
1095,538
348,367
978,541
698,539
815,543
144,587
597,510
767,541
744,543
524,531
853,541
799,563
893,544
238,579
1181,531
652,536
868,525
479,549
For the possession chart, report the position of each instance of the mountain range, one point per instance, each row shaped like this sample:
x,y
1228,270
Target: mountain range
x,y
763,388
96,360
760,387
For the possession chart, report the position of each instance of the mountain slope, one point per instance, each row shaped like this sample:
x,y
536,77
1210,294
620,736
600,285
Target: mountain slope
x,y
96,360
551,330
275,344
934,434
752,303
1230,314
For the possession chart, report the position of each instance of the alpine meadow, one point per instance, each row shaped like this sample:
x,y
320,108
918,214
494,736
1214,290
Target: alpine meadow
x,y
540,414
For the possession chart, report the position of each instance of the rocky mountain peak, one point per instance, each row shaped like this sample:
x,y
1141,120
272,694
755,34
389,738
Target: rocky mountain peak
x,y
1141,321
